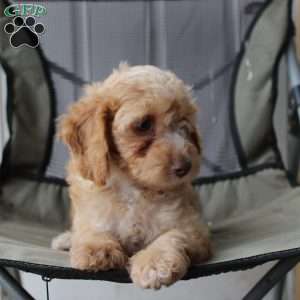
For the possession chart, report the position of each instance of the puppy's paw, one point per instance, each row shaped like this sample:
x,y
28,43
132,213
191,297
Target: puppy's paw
x,y
202,251
154,268
98,256
62,241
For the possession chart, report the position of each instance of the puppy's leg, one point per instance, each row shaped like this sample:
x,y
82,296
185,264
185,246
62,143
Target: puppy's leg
x,y
167,259
95,252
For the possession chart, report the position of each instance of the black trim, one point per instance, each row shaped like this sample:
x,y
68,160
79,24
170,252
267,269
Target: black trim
x,y
56,68
238,174
203,82
121,276
19,173
253,7
33,177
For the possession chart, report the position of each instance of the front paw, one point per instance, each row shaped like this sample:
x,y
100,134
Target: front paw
x,y
154,268
98,256
62,241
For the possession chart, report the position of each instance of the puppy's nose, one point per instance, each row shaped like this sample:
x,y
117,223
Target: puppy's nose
x,y
183,167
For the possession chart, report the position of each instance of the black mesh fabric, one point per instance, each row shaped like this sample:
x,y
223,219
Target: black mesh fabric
x,y
198,40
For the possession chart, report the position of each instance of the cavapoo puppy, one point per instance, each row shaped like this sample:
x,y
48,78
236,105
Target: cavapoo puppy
x,y
134,151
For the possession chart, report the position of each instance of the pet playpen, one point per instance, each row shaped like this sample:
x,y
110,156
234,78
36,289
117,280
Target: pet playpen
x,y
231,51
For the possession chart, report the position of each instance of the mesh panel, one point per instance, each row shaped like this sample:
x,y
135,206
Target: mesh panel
x,y
198,40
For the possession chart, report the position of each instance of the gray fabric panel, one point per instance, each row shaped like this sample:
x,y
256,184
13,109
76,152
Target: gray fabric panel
x,y
200,39
117,33
253,103
100,35
192,38
227,199
269,229
29,242
272,227
60,24
36,201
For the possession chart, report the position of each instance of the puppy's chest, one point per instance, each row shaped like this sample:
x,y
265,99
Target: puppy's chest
x,y
135,230
144,218
135,217
140,223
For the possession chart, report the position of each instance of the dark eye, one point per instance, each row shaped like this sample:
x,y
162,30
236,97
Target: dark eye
x,y
145,125
184,130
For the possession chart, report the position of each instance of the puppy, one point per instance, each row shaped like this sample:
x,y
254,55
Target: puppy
x,y
134,150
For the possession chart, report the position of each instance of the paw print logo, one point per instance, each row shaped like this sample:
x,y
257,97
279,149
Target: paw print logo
x,y
24,31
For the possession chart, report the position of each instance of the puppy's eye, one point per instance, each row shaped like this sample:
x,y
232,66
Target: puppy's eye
x,y
185,130
145,125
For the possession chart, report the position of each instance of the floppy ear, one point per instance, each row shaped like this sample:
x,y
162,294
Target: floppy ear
x,y
195,137
84,130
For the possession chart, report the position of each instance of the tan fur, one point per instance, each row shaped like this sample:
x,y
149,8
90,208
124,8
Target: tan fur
x,y
126,197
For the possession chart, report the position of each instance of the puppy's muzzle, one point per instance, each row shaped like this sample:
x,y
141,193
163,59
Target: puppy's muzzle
x,y
182,167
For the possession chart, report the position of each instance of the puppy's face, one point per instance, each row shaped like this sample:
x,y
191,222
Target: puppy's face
x,y
156,137
149,125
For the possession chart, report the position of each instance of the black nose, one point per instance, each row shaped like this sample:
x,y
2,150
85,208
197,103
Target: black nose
x,y
183,168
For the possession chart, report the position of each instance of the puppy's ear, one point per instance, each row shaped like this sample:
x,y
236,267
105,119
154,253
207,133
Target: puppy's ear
x,y
195,137
84,130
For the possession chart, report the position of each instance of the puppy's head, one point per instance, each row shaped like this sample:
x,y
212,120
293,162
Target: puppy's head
x,y
143,120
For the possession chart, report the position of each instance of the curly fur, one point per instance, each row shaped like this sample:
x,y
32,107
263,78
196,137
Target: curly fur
x,y
129,206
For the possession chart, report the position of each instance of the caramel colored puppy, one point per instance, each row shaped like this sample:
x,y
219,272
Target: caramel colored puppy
x,y
134,152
